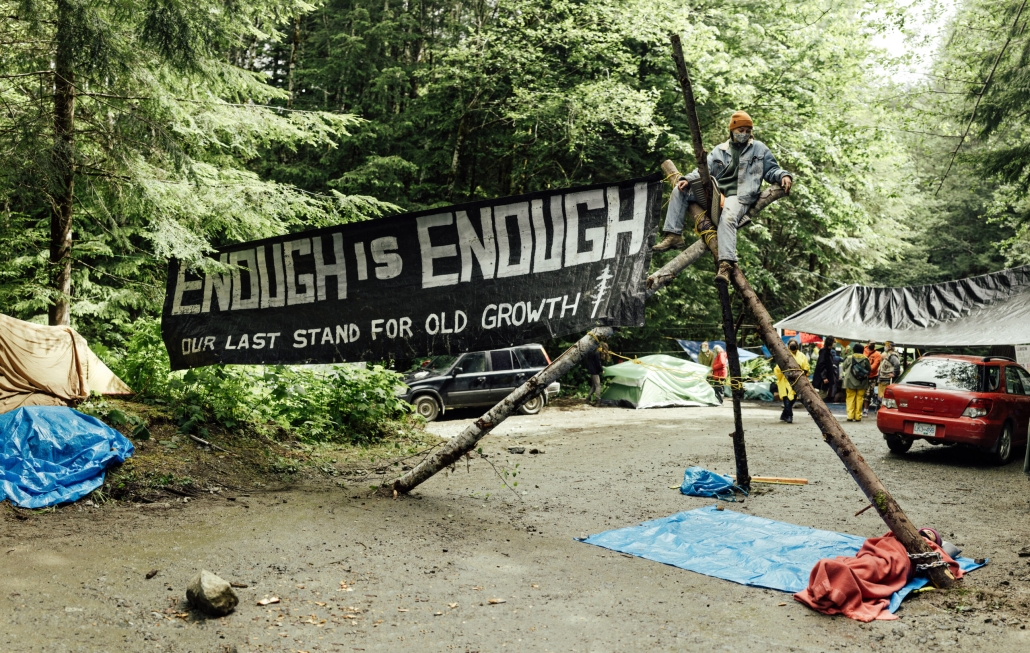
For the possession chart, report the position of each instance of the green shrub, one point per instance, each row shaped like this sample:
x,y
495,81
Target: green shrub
x,y
342,403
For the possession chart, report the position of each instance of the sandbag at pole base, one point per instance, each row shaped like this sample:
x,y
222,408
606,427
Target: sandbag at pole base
x,y
451,452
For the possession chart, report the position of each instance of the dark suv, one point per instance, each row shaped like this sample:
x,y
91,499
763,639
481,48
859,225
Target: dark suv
x,y
477,378
952,399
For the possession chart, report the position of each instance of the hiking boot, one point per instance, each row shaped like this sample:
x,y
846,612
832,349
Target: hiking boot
x,y
671,241
723,274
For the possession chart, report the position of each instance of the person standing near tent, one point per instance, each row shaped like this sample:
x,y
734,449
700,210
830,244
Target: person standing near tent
x,y
705,356
785,386
890,365
720,370
595,369
826,377
874,373
855,373
738,167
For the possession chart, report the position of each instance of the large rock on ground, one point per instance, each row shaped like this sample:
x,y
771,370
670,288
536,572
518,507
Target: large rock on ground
x,y
209,593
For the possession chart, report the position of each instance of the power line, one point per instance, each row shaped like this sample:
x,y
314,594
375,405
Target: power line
x,y
980,96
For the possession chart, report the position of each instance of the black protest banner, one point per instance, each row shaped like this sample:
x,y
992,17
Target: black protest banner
x,y
477,276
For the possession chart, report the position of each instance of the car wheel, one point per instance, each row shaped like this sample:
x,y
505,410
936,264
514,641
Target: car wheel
x,y
898,443
533,406
1001,453
428,407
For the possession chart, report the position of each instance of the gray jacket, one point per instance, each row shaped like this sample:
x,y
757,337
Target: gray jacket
x,y
756,163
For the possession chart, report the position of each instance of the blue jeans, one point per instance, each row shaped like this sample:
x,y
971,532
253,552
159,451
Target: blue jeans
x,y
732,212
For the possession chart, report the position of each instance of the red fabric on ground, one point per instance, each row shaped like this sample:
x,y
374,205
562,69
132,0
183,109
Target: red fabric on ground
x,y
861,587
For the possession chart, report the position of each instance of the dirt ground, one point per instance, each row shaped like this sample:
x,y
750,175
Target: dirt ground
x,y
466,564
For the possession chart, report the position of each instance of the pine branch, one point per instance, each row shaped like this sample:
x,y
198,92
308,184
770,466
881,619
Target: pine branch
x,y
38,72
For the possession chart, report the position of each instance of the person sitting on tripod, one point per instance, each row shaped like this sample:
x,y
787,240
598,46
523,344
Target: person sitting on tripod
x,y
738,167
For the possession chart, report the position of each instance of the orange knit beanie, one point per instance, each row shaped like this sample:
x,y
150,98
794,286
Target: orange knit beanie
x,y
740,119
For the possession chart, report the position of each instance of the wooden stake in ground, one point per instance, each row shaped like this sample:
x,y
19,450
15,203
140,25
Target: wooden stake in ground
x,y
457,447
833,434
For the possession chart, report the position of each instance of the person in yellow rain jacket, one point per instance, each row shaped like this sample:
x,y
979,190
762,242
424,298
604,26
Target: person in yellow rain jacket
x,y
784,385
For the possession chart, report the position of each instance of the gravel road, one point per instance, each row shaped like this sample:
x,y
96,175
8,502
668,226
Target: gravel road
x,y
466,564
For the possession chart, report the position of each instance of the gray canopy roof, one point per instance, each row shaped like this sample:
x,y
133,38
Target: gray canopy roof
x,y
992,309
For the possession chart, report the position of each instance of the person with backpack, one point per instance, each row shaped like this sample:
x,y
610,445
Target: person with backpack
x,y
890,367
874,373
855,374
785,385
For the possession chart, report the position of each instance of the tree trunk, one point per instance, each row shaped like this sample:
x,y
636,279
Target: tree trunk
x,y
294,46
63,195
736,387
451,452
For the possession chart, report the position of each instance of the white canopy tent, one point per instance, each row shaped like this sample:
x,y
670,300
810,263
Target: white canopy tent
x,y
991,309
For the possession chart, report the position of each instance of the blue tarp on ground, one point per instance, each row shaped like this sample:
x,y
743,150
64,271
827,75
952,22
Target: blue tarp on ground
x,y
700,482
742,548
52,454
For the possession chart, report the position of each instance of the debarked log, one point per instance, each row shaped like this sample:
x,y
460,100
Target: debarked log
x,y
466,441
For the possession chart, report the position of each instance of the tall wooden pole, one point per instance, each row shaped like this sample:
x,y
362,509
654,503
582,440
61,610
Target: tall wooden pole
x,y
833,434
700,154
739,450
736,388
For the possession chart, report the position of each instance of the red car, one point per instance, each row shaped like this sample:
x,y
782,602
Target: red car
x,y
949,399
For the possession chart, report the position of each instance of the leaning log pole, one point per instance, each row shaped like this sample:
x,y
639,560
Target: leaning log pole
x,y
733,358
466,441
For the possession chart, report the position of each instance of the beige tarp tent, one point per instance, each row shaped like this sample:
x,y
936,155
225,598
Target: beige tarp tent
x,y
49,366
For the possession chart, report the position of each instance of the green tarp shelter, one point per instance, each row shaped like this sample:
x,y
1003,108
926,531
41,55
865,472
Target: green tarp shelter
x,y
657,381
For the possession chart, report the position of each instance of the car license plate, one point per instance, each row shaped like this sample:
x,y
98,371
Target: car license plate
x,y
919,428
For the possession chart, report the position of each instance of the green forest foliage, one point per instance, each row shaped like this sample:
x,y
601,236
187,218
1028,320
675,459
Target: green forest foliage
x,y
204,123
963,126
467,100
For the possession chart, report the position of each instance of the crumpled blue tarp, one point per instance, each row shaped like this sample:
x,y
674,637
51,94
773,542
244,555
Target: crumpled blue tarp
x,y
700,482
52,454
742,548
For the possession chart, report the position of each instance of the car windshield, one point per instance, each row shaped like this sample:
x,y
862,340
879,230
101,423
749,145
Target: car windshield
x,y
946,374
439,364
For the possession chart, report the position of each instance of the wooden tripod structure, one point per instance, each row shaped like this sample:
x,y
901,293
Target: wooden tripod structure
x,y
833,434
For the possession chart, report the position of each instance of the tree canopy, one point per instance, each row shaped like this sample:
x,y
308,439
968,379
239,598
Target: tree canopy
x,y
197,124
